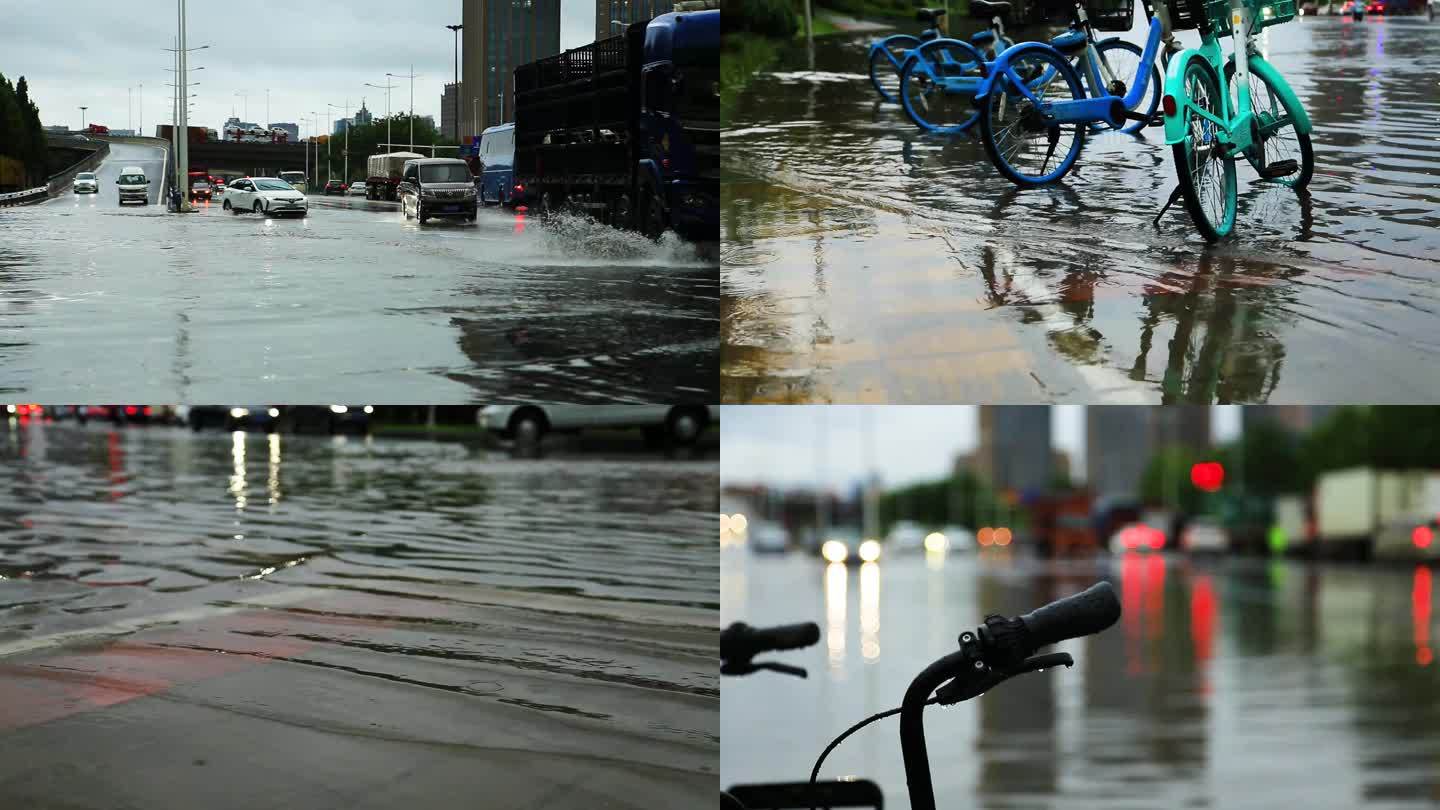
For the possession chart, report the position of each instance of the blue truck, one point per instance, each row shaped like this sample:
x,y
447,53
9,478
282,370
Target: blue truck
x,y
627,129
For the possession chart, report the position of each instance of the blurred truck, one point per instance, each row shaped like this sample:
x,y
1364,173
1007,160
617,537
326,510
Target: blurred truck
x,y
193,134
382,174
1352,507
627,129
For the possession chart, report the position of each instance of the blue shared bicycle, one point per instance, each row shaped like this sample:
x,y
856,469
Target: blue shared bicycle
x,y
888,55
1035,109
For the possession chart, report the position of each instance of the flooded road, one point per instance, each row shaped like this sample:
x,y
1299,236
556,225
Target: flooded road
x,y
1236,684
103,303
864,261
225,620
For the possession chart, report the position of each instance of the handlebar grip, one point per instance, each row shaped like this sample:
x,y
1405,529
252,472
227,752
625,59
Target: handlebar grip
x,y
1083,614
743,641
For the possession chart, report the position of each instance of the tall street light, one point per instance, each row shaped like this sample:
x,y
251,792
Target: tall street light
x,y
456,113
82,118
387,87
412,77
267,108
244,104
182,107
331,122
314,132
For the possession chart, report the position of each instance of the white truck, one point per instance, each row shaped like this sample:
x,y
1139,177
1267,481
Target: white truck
x,y
1354,507
382,174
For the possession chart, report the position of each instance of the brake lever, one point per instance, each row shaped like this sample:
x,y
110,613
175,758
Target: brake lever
x,y
964,687
747,668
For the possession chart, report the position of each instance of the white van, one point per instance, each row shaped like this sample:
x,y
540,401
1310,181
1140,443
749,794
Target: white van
x,y
133,185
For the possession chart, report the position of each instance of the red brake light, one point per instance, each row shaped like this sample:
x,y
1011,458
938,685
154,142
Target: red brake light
x,y
131,410
519,187
1168,102
148,410
1422,536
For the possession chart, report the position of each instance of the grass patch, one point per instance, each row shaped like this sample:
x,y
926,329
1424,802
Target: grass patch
x,y
741,57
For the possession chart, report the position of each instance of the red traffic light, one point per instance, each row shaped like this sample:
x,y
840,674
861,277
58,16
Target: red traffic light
x,y
1207,476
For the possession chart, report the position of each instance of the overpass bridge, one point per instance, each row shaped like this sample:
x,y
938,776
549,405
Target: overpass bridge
x,y
251,158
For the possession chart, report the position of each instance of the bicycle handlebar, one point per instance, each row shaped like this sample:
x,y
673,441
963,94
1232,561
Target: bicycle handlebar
x,y
740,642
1001,649
1082,614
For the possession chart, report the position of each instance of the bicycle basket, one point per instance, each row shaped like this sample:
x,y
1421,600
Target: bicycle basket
x,y
1263,13
1111,15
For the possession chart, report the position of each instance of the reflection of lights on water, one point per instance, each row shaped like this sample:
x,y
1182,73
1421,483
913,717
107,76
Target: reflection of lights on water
x,y
870,611
237,477
834,551
934,560
272,482
1420,615
835,581
869,551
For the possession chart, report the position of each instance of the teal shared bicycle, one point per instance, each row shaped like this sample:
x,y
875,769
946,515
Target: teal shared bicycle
x,y
1258,118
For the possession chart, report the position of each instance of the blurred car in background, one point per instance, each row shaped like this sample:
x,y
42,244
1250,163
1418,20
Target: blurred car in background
x,y
905,537
334,187
1204,536
252,417
847,546
1137,537
765,537
950,538
680,424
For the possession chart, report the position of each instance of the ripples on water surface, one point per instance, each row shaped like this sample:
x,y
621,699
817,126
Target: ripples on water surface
x,y
557,608
865,261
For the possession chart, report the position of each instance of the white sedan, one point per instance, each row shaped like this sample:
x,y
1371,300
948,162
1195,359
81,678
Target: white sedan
x,y
356,189
270,196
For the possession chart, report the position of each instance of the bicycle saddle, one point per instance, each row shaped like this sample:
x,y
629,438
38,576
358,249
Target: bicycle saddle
x,y
1069,43
986,8
929,15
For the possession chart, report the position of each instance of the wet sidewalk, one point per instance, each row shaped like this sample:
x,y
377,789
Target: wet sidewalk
x,y
201,620
864,261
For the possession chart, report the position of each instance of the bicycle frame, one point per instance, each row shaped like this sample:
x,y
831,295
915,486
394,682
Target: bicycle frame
x,y
1101,106
1233,129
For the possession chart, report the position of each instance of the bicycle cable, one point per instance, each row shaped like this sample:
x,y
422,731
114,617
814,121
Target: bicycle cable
x,y
815,773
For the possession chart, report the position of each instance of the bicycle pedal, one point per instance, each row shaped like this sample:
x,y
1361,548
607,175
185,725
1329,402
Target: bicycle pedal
x,y
1280,168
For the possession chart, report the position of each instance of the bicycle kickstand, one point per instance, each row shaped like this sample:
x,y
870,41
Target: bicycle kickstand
x,y
1174,195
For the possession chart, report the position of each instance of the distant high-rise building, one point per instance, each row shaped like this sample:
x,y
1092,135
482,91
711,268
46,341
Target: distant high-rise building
x,y
609,12
498,36
293,130
450,111
1014,451
363,116
1121,439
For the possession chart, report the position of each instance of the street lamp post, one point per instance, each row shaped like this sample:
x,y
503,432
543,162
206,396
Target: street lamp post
x,y
331,122
411,76
267,108
386,87
314,133
82,118
456,113
348,123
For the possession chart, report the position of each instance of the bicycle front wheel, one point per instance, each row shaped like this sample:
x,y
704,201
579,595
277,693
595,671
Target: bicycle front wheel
x,y
1025,148
937,86
884,58
1123,59
1279,139
1207,179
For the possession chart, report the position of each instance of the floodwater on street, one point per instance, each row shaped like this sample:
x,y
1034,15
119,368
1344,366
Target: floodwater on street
x,y
232,620
1240,683
352,303
865,261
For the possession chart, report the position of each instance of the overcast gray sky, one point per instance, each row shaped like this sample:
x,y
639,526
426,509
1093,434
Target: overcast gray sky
x,y
308,53
781,444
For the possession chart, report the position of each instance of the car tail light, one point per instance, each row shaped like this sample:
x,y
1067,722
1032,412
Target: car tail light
x,y
519,187
1422,536
1168,102
147,410
131,410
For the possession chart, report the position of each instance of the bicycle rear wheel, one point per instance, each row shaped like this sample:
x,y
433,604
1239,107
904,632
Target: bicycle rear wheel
x,y
1279,140
1123,59
1024,148
884,75
937,86
1207,178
